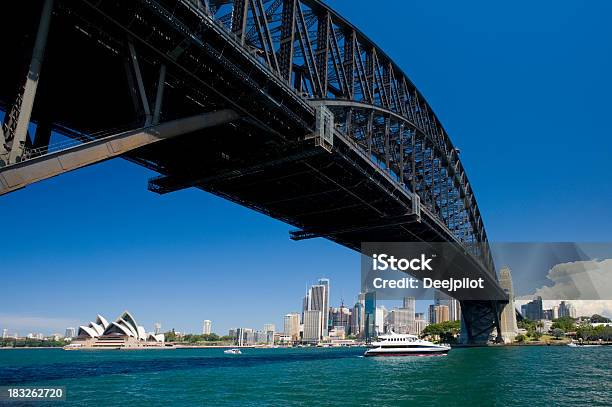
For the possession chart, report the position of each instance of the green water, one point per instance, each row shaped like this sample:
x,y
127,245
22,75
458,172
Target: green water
x,y
534,376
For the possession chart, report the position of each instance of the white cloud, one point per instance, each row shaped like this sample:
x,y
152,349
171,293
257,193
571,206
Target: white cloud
x,y
578,280
588,284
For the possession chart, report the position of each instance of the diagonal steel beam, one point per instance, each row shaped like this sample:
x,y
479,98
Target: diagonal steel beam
x,y
20,175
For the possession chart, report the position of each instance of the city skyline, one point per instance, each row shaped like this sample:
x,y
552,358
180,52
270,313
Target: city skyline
x,y
171,265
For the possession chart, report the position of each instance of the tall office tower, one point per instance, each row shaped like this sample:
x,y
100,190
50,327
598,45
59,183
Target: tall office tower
x,y
438,314
381,318
454,308
533,309
370,315
4,333
431,314
269,327
509,328
357,317
157,328
312,325
291,325
207,327
70,332
317,302
410,305
555,312
441,312
305,304
325,310
566,309
419,315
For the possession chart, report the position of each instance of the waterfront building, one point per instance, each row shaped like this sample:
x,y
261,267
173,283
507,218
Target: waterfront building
x,y
533,310
509,327
418,326
70,332
381,318
269,331
312,326
122,333
207,327
341,316
245,337
337,332
291,325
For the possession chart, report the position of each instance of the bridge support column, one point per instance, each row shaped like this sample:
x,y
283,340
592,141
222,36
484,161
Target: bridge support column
x,y
479,319
20,114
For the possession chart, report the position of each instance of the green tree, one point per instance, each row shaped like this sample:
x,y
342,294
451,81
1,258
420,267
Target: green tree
x,y
447,331
568,324
520,338
558,333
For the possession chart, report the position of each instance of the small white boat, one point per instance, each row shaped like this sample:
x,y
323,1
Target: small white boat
x,y
393,344
580,345
232,352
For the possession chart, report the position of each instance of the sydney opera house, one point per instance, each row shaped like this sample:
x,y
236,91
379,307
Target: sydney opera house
x,y
122,333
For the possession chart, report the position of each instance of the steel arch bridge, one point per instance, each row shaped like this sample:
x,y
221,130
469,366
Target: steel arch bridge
x,y
280,105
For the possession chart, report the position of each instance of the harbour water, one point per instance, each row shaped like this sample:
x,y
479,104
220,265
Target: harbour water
x,y
497,376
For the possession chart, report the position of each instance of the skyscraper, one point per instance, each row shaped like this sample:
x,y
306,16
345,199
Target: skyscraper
x,y
410,305
566,310
317,301
400,320
207,327
325,310
357,317
291,325
381,318
438,314
157,328
70,332
4,333
312,325
370,315
533,309
454,309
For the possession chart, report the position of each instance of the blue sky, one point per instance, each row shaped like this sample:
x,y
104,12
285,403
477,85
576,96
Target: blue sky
x,y
523,89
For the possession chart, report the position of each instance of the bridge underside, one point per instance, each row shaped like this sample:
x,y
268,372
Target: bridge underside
x,y
104,71
265,162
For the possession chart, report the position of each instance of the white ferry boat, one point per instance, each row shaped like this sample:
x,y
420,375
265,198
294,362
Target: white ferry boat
x,y
232,352
393,344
